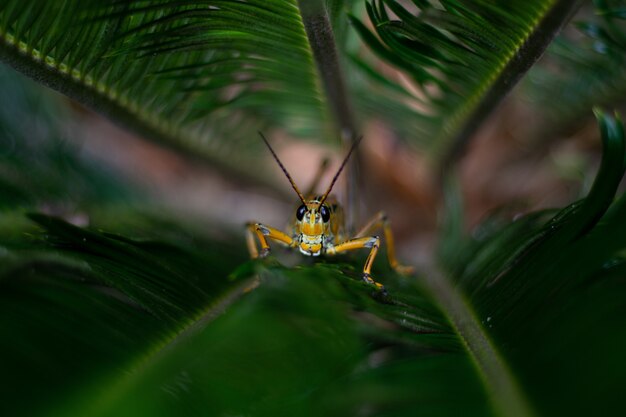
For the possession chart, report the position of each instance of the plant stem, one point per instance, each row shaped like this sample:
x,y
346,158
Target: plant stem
x,y
322,41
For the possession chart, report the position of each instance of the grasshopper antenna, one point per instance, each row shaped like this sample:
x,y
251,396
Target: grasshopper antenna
x,y
343,164
293,184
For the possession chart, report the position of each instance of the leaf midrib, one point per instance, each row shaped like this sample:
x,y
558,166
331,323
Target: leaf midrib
x,y
117,386
507,398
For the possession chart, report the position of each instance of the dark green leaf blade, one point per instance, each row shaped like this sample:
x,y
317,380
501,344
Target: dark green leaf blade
x,y
316,340
81,307
128,322
303,343
548,291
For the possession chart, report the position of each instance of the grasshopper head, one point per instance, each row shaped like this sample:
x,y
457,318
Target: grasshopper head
x,y
312,224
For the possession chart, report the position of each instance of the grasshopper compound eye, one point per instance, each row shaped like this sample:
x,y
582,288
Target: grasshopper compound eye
x,y
300,212
325,214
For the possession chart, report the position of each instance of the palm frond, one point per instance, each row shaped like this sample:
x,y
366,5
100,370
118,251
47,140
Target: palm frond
x,y
204,76
464,56
584,68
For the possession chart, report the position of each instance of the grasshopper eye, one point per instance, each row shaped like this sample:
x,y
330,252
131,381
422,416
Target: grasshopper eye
x,y
325,214
300,212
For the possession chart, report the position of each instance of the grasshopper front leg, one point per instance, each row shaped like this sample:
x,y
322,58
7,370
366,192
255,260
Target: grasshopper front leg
x,y
263,232
373,243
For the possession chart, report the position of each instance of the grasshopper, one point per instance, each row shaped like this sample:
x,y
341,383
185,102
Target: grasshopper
x,y
318,227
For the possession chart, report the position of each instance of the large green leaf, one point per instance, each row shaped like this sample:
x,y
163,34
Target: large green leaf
x,y
128,326
95,306
549,290
101,324
463,56
201,77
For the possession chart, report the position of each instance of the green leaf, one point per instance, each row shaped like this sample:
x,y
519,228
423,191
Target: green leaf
x,y
98,304
548,291
464,56
128,321
204,76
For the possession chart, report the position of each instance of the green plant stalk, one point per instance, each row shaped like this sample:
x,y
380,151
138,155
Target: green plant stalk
x,y
322,41
506,396
466,121
122,111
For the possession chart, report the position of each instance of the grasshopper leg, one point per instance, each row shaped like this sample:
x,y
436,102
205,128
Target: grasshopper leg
x,y
372,243
262,233
379,221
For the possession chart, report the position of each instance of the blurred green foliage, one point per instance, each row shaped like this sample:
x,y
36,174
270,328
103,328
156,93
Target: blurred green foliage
x,y
39,167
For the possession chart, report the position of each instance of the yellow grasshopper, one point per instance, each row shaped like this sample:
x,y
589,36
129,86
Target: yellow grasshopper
x,y
318,228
